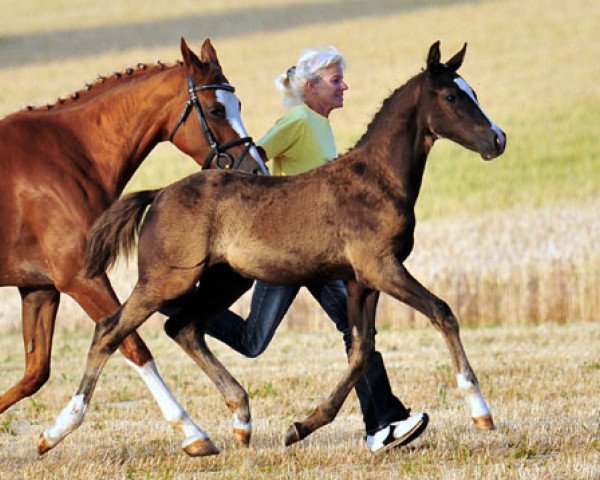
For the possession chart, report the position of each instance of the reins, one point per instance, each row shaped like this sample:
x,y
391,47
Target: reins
x,y
218,150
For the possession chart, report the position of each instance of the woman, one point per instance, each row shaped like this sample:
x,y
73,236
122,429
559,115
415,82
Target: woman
x,y
299,141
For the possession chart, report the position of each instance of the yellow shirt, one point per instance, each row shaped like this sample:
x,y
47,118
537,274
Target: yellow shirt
x,y
299,141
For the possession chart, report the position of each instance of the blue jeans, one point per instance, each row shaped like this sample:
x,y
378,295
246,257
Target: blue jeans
x,y
269,305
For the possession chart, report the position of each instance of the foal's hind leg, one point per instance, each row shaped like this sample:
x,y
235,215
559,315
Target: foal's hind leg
x,y
110,332
398,282
362,304
39,313
219,288
98,299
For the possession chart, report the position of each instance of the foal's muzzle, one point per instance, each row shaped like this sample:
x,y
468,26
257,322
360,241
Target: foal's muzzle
x,y
497,147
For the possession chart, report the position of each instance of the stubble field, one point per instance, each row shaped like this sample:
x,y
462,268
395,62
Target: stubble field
x,y
541,383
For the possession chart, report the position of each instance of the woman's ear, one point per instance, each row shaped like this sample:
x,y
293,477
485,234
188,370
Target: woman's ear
x,y
310,87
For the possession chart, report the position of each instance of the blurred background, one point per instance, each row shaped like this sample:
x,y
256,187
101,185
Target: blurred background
x,y
512,241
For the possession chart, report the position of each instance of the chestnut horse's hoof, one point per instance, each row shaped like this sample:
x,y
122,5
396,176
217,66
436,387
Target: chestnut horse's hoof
x,y
485,422
242,436
201,448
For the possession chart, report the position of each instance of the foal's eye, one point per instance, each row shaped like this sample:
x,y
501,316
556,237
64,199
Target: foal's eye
x,y
451,98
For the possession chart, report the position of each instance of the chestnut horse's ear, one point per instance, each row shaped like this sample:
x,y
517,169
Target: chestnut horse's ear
x,y
208,53
433,57
189,58
456,61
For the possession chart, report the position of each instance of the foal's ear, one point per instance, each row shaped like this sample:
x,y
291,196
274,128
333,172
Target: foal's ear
x,y
456,61
208,53
433,57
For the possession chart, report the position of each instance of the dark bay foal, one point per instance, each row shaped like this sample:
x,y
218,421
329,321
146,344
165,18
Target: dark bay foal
x,y
352,219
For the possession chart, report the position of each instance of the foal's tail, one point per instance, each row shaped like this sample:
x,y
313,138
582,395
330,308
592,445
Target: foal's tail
x,y
116,230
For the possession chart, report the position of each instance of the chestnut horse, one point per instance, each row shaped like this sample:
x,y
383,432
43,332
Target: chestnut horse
x,y
351,219
62,165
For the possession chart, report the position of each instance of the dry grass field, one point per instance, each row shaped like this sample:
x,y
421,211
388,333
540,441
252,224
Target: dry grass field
x,y
541,382
513,245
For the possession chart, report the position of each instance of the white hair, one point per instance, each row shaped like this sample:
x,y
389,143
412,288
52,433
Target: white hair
x,y
290,85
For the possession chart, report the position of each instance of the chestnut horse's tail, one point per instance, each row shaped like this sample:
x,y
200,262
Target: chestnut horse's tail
x,y
116,230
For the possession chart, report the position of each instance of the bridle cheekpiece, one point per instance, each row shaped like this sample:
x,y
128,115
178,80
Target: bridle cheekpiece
x,y
224,159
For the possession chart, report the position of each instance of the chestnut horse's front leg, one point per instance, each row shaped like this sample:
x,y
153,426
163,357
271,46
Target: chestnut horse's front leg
x,y
362,304
395,280
39,307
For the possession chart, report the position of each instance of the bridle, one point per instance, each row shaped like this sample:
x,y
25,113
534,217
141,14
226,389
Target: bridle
x,y
224,159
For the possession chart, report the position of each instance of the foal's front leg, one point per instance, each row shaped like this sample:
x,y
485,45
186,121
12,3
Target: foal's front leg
x,y
399,283
362,304
190,337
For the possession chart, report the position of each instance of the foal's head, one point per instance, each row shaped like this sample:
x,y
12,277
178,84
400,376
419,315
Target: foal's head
x,y
210,121
452,110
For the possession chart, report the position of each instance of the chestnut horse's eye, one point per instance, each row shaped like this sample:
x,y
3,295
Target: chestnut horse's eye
x,y
451,98
218,111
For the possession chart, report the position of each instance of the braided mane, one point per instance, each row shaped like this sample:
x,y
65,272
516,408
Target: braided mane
x,y
104,82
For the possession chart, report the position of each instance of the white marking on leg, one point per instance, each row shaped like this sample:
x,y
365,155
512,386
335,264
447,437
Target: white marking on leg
x,y
232,111
171,409
465,87
241,425
473,397
68,420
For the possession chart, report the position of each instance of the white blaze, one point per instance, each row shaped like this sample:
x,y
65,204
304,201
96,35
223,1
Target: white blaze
x,y
464,86
232,111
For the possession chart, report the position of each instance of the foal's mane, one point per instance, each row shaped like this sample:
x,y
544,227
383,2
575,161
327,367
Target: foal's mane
x,y
103,83
388,104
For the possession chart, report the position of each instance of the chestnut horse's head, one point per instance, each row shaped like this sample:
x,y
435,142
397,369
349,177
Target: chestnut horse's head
x,y
210,128
453,111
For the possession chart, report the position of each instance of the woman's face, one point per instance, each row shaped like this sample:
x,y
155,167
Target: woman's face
x,y
327,93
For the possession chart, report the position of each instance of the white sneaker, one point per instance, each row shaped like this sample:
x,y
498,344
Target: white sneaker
x,y
398,433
